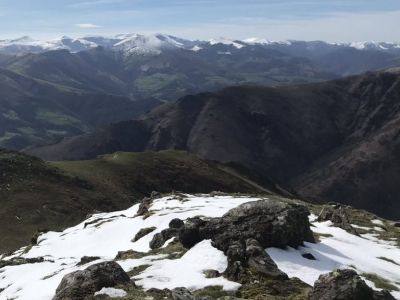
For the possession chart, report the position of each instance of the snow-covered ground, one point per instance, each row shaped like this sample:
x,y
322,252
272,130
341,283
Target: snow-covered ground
x,y
109,233
341,250
106,234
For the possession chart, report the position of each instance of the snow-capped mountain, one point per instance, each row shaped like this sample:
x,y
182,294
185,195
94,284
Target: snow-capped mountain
x,y
128,43
153,44
28,45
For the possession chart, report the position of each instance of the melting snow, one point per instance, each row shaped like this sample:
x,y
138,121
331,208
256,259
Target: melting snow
x,y
105,234
187,271
111,292
340,251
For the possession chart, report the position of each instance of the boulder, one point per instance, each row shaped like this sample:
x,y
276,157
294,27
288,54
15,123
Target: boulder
x,y
80,284
345,285
245,232
271,223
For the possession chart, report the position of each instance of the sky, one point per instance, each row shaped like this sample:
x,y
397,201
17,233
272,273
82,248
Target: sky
x,y
329,20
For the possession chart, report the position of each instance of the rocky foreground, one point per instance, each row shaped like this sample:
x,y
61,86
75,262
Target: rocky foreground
x,y
211,247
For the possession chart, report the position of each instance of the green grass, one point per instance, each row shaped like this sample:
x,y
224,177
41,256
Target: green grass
x,y
155,82
27,130
37,195
380,282
56,118
11,115
164,171
8,136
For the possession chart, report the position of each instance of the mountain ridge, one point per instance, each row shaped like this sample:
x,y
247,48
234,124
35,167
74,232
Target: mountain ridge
x,y
282,132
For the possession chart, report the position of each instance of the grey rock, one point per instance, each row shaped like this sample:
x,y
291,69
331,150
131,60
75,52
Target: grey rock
x,y
176,223
144,206
345,285
181,294
212,273
80,284
309,256
244,232
16,261
160,238
143,232
338,216
258,259
87,259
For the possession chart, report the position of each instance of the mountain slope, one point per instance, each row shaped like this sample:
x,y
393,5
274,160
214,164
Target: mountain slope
x,y
285,133
32,110
205,237
35,195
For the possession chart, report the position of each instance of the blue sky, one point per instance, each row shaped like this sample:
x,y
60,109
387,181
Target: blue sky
x,y
332,20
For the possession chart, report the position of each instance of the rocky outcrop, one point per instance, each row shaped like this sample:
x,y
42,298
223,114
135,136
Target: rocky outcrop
x,y
245,232
336,213
271,223
16,261
345,285
183,294
80,284
160,238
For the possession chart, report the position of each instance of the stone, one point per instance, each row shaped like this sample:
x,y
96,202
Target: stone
x,y
143,232
244,232
80,284
16,261
181,294
176,223
259,260
160,238
345,285
338,216
212,273
309,256
87,259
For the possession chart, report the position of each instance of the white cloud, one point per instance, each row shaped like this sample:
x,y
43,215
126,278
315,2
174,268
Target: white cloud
x,y
87,26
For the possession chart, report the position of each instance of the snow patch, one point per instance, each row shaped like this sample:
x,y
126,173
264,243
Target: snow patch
x,y
111,292
339,249
188,270
106,234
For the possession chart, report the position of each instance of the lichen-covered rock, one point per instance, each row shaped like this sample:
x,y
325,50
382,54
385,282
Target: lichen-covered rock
x,y
245,232
271,223
336,213
345,285
80,284
143,232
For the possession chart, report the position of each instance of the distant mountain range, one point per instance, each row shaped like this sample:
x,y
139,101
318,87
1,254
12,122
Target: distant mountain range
x,y
63,87
330,141
155,43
